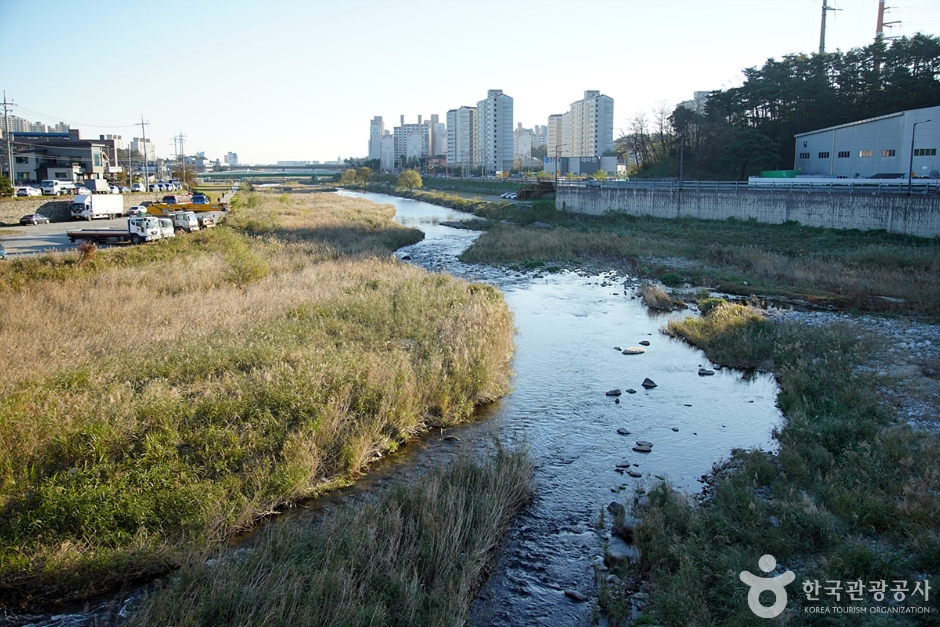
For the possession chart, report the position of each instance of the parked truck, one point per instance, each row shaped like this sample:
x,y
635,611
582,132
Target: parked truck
x,y
52,187
183,220
139,229
89,206
97,186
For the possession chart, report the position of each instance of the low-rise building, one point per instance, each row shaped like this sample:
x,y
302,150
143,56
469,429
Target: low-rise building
x,y
876,147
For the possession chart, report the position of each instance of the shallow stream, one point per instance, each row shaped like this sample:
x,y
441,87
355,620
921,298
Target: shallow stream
x,y
567,328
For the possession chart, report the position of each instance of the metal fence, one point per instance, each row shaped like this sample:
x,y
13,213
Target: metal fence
x,y
851,186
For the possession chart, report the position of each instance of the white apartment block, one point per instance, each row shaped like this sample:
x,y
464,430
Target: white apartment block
x,y
494,132
376,133
230,158
405,146
461,137
138,144
438,137
592,125
388,151
554,141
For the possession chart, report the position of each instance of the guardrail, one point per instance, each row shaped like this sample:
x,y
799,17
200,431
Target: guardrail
x,y
865,186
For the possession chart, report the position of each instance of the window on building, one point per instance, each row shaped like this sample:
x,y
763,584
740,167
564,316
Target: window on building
x,y
925,152
864,153
22,159
804,155
824,155
843,154
887,153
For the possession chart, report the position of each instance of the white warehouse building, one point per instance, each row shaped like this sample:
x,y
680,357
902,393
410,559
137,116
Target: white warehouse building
x,y
877,147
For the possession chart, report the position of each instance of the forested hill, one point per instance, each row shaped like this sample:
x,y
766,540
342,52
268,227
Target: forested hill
x,y
749,128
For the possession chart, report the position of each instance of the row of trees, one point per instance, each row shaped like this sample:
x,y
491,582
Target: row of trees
x,y
750,128
364,175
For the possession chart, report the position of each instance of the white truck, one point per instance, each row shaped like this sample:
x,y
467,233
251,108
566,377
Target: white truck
x,y
97,186
139,229
90,206
184,220
52,187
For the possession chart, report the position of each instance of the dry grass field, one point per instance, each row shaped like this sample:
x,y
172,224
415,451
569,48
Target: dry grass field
x,y
158,398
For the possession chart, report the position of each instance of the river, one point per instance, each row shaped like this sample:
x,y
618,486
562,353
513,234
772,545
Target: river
x,y
567,327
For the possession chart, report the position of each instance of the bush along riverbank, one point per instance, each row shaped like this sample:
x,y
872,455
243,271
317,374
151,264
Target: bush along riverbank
x,y
177,392
851,495
415,556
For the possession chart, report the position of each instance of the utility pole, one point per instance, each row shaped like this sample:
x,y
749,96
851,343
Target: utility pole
x,y
7,137
880,31
182,156
143,134
822,28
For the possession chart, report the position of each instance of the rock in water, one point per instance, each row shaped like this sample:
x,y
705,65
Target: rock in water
x,y
705,372
633,350
648,383
614,392
644,342
574,595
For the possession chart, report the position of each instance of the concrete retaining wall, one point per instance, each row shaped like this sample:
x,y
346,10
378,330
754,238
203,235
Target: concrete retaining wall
x,y
911,215
57,208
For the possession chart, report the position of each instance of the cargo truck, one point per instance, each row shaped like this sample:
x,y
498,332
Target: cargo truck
x,y
97,186
89,206
183,220
52,187
139,229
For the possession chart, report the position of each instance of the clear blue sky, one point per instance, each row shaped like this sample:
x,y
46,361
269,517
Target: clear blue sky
x,y
301,79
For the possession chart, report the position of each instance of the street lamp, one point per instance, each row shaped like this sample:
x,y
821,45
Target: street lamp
x,y
910,166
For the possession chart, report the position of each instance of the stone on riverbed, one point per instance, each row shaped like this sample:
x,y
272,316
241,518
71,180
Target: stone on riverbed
x,y
648,383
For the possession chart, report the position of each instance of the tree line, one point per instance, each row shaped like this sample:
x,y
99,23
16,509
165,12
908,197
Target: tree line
x,y
750,128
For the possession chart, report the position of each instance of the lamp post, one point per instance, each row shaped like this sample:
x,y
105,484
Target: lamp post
x,y
910,166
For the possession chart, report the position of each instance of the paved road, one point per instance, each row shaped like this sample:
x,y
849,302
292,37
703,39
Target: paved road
x,y
40,238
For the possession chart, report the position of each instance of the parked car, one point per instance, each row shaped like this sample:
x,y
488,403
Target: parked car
x,y
28,191
200,199
34,218
139,210
3,252
137,187
82,191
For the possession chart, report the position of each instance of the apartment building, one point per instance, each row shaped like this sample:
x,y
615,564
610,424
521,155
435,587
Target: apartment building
x,y
494,132
376,133
461,138
592,125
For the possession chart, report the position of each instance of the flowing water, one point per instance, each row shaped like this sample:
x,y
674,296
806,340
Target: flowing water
x,y
567,327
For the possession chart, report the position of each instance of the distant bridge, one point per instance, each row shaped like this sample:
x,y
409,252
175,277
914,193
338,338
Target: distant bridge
x,y
277,170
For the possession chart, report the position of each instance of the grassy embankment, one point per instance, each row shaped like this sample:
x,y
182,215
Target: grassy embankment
x,y
416,556
850,495
158,398
865,271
